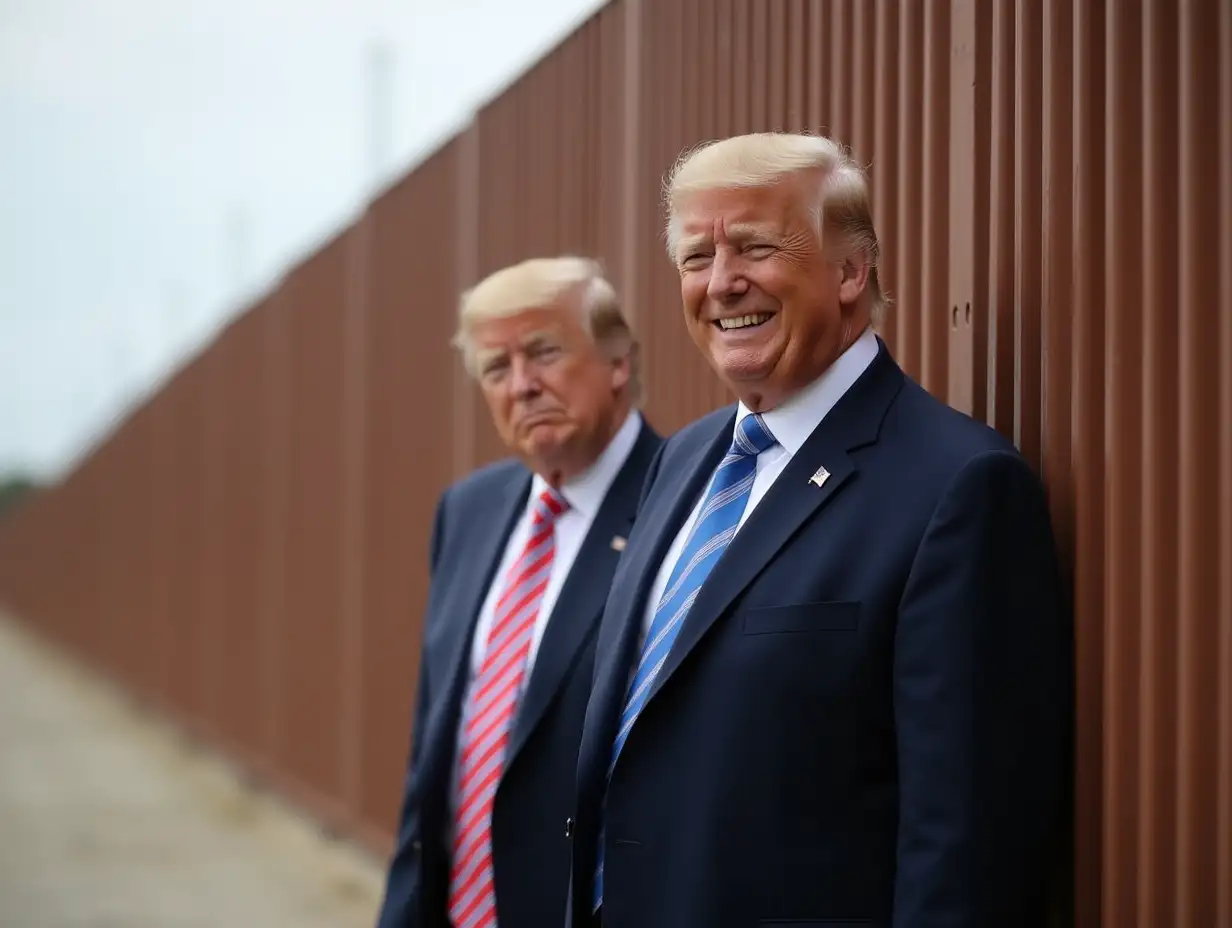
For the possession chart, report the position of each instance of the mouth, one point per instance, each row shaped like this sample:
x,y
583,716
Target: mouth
x,y
737,323
539,418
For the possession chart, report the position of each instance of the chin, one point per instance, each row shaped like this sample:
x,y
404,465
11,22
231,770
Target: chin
x,y
742,366
545,442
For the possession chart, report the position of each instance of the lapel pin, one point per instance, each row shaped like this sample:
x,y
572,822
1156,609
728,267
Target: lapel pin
x,y
820,477
618,543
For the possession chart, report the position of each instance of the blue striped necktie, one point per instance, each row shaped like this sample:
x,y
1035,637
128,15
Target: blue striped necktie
x,y
717,520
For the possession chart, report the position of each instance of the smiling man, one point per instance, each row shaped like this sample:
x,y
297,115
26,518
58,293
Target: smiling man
x,y
522,554
833,675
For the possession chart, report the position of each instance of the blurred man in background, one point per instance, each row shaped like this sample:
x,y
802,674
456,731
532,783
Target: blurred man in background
x,y
521,557
833,681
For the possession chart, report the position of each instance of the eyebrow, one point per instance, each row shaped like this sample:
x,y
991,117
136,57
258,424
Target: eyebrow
x,y
690,243
486,356
531,341
736,232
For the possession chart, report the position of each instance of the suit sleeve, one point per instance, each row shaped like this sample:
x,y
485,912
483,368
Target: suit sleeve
x,y
983,702
401,906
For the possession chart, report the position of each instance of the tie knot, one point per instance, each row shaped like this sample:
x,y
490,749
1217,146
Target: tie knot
x,y
752,436
550,506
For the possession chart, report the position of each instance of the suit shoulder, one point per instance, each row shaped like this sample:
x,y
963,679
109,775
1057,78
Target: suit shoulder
x,y
480,483
939,443
951,433
699,431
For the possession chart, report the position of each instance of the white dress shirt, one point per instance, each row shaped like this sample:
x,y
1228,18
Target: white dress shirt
x,y
791,424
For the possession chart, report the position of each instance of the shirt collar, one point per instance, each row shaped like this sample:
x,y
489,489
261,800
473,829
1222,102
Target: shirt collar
x,y
585,491
793,422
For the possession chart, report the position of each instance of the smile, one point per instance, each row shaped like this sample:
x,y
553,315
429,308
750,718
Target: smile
x,y
743,322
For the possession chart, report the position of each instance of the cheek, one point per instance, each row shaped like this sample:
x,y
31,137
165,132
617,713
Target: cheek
x,y
773,281
583,393
499,406
798,301
566,384
693,286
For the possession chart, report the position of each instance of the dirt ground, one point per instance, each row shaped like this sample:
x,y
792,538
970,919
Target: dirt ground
x,y
109,819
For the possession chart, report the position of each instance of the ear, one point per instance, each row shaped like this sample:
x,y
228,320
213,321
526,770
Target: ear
x,y
620,372
855,271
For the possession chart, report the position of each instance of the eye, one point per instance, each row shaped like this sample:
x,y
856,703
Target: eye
x,y
760,250
695,259
494,369
543,354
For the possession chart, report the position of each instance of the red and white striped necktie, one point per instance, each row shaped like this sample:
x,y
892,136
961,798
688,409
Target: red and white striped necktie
x,y
489,719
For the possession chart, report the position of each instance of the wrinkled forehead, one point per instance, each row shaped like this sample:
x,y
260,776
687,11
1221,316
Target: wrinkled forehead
x,y
692,236
736,215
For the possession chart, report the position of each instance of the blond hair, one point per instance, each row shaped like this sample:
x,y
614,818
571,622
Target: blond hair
x,y
762,159
537,283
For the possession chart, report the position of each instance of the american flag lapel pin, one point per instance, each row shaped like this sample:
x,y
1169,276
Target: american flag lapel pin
x,y
618,543
820,477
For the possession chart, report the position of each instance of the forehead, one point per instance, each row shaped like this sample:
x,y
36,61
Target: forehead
x,y
525,326
731,213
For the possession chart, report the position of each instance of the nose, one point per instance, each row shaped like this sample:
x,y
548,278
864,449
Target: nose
x,y
727,282
523,380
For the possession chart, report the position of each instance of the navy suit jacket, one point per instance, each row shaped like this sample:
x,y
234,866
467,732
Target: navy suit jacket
x,y
530,852
865,717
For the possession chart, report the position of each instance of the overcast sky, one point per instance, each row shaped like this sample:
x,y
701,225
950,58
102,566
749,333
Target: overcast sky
x,y
162,160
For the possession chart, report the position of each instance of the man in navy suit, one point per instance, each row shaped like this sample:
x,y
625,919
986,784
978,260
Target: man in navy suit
x,y
833,673
521,557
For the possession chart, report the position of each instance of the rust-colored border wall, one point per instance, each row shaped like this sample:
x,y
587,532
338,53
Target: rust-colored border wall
x,y
248,549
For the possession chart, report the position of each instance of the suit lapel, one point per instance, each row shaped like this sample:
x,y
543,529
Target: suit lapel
x,y
792,500
580,603
488,546
615,652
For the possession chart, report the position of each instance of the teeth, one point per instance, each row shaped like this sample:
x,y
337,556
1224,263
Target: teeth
x,y
741,322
